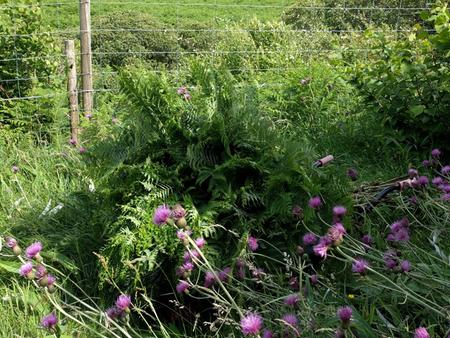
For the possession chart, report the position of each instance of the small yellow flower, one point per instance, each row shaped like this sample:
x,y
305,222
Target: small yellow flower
x,y
351,296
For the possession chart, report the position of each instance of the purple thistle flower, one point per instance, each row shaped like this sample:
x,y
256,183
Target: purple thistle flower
x,y
33,250
181,90
15,169
123,302
310,239
82,150
413,200
405,266
210,279
240,271
426,163
224,275
352,174
252,243
183,234
389,263
297,211
51,280
314,279
88,116
421,332
113,312
188,266
445,197
345,314
436,153
200,242
290,319
11,242
267,334
182,286
321,249
251,324
26,269
445,187
339,211
161,215
367,240
72,141
423,180
258,273
445,170
49,321
315,202
292,299
187,96
178,211
360,266
402,235
413,173
437,181
41,271
293,283
336,233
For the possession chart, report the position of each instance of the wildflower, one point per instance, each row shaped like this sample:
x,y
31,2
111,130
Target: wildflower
x,y
360,266
267,334
315,202
321,249
437,181
240,271
314,279
413,200
33,251
188,266
339,333
290,320
49,321
445,188
183,235
367,240
251,324
123,302
15,169
40,272
405,266
187,96
161,215
178,212
293,283
338,213
224,275
252,243
336,233
399,231
82,150
51,280
352,174
113,312
72,141
309,239
413,172
445,197
423,180
445,170
426,163
305,81
182,90
26,270
210,279
200,242
297,211
194,254
345,315
436,153
421,332
12,243
88,116
292,299
258,273
182,286
402,235
390,263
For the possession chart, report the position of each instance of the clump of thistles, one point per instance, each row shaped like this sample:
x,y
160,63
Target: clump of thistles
x,y
251,324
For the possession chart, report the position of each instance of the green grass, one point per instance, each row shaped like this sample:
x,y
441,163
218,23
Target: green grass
x,y
173,13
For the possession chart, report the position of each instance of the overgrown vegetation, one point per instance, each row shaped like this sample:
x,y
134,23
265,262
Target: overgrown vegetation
x,y
192,207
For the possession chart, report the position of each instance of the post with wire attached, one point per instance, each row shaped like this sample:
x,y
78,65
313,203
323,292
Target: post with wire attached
x,y
72,90
86,55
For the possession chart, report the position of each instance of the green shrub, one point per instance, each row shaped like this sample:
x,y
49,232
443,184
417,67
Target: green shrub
x,y
332,15
406,83
120,38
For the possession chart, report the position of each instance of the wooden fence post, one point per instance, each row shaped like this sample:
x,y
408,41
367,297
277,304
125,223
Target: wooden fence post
x,y
86,55
72,91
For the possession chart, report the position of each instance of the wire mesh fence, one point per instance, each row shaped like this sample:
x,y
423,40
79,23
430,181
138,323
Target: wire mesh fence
x,y
32,63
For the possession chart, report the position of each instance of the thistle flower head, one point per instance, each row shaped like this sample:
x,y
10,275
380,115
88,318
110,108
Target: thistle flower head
x,y
437,181
436,153
182,286
15,169
267,334
26,269
224,274
297,211
123,302
251,324
445,170
33,250
339,211
426,163
290,319
360,266
309,238
315,202
423,180
11,242
321,249
161,215
113,312
292,299
405,266
389,263
314,279
183,234
421,332
49,321
41,271
413,172
367,240
352,174
178,211
210,279
252,243
345,314
82,150
200,242
51,280
181,90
